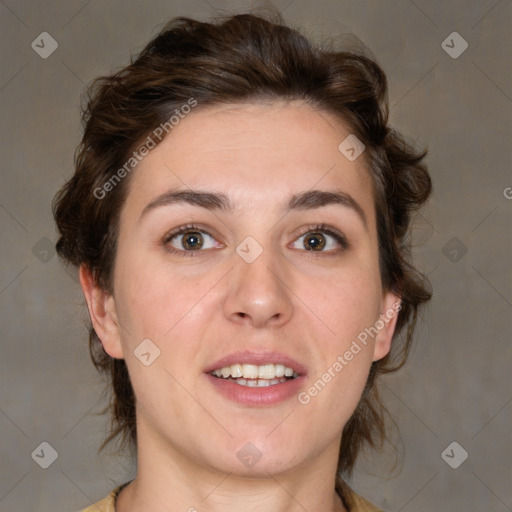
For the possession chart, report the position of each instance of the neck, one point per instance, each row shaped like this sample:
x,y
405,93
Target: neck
x,y
169,481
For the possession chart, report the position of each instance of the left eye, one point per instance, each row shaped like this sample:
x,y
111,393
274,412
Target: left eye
x,y
318,241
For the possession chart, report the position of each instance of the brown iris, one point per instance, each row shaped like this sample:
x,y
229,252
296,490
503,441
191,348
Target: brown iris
x,y
192,240
314,241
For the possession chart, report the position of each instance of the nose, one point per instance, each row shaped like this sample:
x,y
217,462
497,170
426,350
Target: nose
x,y
258,293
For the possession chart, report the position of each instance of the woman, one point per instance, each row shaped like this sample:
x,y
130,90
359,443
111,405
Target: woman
x,y
238,215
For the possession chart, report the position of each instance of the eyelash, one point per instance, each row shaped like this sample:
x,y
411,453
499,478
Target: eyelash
x,y
316,228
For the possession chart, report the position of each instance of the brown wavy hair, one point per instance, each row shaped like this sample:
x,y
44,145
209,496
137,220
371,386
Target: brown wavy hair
x,y
243,58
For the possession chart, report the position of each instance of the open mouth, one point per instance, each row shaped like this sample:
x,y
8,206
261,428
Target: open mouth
x,y
255,376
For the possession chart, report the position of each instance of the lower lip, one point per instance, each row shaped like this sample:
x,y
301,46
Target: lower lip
x,y
269,395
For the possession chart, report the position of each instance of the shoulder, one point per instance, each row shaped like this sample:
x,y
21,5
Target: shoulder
x,y
106,504
353,502
359,504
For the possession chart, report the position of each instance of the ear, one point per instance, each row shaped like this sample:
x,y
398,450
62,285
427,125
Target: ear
x,y
391,305
102,311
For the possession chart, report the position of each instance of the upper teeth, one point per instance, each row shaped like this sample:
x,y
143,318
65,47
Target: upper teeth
x,y
252,371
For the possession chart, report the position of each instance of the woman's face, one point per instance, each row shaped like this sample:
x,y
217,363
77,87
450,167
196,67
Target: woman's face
x,y
248,238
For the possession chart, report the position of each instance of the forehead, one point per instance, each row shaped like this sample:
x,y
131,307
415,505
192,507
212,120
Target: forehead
x,y
254,152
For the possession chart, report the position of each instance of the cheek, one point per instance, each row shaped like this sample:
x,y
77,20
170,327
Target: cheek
x,y
345,357
349,305
346,302
153,299
347,389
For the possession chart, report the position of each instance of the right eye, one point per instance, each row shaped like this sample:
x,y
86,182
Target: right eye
x,y
187,239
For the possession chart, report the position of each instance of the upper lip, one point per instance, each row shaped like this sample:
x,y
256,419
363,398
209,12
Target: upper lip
x,y
257,358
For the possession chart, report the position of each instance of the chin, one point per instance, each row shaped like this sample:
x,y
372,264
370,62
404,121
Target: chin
x,y
257,455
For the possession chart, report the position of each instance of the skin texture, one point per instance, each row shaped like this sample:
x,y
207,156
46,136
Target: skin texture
x,y
196,309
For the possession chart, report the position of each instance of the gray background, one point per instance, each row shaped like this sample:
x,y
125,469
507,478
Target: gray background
x,y
457,386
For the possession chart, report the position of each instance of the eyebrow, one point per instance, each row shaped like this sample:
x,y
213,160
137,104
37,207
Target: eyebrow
x,y
309,200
